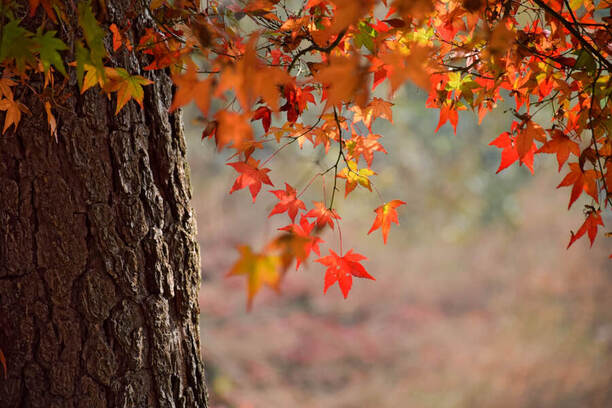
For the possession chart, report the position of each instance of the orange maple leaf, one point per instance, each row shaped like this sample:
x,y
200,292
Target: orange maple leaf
x,y
364,146
377,108
13,112
385,215
250,176
341,269
343,80
562,146
190,87
127,86
525,138
251,79
233,128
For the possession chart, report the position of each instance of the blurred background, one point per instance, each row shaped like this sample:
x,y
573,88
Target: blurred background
x,y
476,302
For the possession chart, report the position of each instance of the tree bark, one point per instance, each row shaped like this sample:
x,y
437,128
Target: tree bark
x,y
99,264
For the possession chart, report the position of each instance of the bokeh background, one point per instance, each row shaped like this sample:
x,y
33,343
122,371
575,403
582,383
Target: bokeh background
x,y
476,302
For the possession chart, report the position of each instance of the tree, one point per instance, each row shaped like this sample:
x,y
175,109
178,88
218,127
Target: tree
x,y
100,203
99,266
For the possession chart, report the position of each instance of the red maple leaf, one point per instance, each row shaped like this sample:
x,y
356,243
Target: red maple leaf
x,y
265,114
510,154
308,243
589,226
287,202
341,269
448,113
580,181
323,215
250,176
385,215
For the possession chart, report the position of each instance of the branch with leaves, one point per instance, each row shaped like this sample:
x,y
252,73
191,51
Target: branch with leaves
x,y
553,55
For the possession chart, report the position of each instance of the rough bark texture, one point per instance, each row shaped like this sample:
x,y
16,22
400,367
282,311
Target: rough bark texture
x,y
99,266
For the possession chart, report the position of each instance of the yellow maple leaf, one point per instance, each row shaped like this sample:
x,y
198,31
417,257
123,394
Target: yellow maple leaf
x,y
258,268
355,176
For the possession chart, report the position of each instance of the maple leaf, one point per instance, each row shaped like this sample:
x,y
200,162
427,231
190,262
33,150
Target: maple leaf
x,y
302,241
580,181
287,202
562,146
589,226
13,112
323,215
250,176
385,215
341,269
116,36
258,268
119,38
364,146
509,153
448,113
343,81
47,6
190,87
377,108
16,43
94,35
5,87
525,138
263,113
51,120
251,79
354,176
48,46
235,128
127,86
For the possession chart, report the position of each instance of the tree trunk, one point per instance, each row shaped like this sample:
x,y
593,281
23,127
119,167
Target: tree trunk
x,y
99,264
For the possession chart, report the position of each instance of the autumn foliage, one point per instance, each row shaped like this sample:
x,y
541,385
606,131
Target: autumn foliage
x,y
273,73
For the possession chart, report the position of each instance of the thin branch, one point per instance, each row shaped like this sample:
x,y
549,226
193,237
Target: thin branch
x,y
575,33
315,47
340,155
594,141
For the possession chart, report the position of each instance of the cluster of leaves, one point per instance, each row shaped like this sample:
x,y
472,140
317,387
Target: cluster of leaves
x,y
267,62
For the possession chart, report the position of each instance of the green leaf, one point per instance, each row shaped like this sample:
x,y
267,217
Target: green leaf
x,y
82,58
94,35
48,46
585,61
17,44
365,36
